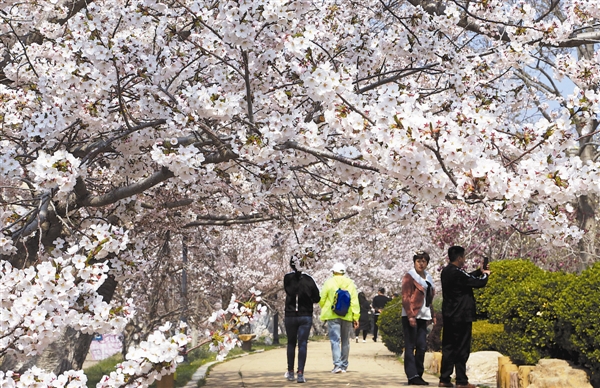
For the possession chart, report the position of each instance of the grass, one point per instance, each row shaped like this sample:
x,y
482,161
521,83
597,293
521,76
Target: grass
x,y
103,367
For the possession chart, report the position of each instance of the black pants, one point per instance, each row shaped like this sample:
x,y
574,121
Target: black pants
x,y
357,332
297,329
375,326
456,347
415,345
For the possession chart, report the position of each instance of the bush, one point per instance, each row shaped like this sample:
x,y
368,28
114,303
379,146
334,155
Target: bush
x,y
507,276
487,336
390,326
434,338
523,298
579,317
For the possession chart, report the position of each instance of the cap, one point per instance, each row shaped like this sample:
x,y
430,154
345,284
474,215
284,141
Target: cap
x,y
339,268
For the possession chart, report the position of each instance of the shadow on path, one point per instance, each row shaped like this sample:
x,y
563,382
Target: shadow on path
x,y
370,365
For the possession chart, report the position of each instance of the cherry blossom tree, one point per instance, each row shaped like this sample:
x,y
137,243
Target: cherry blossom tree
x,y
124,119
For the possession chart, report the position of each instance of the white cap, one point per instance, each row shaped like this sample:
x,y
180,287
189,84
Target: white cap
x,y
339,268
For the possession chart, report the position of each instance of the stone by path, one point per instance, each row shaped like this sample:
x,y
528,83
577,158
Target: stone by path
x,y
370,365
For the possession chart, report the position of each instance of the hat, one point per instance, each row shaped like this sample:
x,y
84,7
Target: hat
x,y
339,268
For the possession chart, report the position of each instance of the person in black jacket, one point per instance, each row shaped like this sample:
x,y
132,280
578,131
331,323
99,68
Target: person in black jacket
x,y
364,322
458,311
301,292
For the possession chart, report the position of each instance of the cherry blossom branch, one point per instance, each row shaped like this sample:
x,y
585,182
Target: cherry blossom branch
x,y
94,149
440,160
356,110
437,8
343,218
525,153
227,221
290,144
224,151
403,73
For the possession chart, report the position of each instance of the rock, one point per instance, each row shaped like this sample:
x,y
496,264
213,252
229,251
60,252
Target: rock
x,y
482,367
433,362
554,373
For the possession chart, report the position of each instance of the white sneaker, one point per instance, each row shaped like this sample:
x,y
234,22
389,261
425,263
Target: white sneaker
x,y
364,340
289,376
337,369
356,339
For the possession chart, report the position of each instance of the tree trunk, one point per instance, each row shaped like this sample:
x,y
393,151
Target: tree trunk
x,y
586,214
68,352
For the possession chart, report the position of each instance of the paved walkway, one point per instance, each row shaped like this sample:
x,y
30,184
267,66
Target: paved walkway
x,y
370,365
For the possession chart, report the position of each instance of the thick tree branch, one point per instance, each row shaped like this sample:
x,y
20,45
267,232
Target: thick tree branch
x,y
126,191
36,219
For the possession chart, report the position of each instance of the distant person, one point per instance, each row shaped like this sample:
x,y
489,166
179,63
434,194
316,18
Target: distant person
x,y
379,302
301,292
364,323
458,312
417,311
339,327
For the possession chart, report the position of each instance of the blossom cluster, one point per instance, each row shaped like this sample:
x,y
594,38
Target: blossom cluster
x,y
228,322
38,377
155,357
57,171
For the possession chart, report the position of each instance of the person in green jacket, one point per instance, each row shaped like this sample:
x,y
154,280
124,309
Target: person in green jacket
x,y
340,328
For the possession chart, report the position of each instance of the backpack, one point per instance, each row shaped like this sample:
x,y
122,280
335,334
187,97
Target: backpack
x,y
341,302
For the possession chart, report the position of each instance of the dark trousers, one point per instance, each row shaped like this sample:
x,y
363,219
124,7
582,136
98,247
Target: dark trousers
x,y
375,326
456,347
415,345
357,332
297,329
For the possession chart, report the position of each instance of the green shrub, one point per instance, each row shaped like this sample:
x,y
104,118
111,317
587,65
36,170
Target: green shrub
x,y
390,326
522,297
578,311
487,336
507,276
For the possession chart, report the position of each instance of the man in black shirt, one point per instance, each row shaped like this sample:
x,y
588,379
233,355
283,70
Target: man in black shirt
x,y
458,310
379,302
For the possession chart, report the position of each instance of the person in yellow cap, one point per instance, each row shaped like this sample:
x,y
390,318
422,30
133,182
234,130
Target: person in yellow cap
x,y
340,327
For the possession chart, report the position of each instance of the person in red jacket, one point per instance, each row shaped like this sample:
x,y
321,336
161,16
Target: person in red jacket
x,y
417,310
458,311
